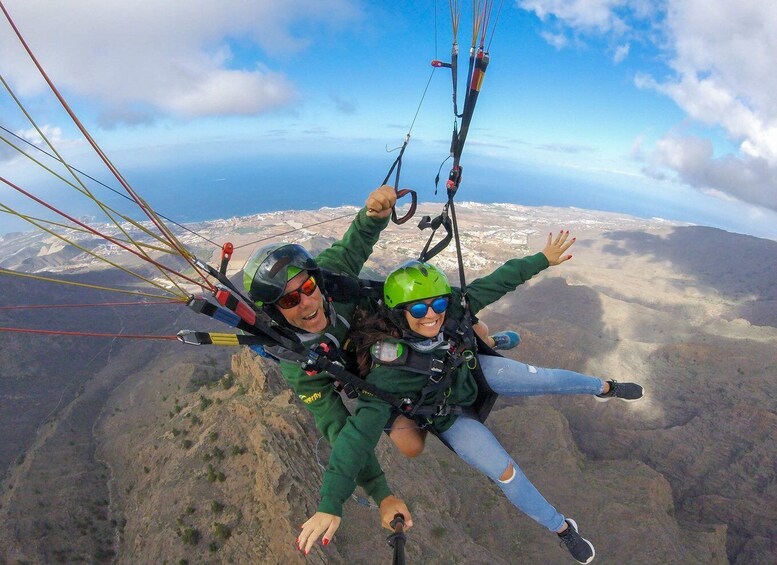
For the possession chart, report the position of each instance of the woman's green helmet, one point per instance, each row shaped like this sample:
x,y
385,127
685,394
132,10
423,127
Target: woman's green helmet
x,y
269,268
414,281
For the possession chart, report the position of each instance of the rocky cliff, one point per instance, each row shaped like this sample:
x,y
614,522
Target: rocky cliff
x,y
227,473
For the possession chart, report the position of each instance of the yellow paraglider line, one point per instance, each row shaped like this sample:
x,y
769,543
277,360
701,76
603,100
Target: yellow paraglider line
x,y
180,298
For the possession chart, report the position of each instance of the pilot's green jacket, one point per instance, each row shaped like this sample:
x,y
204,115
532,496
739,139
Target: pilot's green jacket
x,y
346,256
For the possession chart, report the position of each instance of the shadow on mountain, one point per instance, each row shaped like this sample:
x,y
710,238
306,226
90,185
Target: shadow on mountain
x,y
550,312
712,435
738,266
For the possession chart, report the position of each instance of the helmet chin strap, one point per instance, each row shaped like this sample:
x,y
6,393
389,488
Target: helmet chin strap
x,y
329,312
274,312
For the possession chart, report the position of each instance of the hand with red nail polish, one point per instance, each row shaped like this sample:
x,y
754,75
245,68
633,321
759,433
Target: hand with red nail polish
x,y
320,524
555,248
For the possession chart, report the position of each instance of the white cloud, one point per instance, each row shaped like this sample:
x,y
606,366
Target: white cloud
x,y
140,60
21,140
225,92
557,40
750,179
52,133
723,57
720,56
586,15
621,52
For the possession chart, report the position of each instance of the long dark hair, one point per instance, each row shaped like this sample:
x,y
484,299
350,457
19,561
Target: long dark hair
x,y
368,328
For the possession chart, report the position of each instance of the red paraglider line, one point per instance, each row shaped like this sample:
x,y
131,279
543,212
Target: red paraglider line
x,y
89,334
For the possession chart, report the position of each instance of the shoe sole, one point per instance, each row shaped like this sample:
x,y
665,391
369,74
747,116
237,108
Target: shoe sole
x,y
593,550
600,399
507,348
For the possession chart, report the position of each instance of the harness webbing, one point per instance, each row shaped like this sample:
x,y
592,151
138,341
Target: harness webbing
x,y
247,317
400,193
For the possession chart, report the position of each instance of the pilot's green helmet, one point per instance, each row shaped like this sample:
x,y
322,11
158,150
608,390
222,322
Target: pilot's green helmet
x,y
269,268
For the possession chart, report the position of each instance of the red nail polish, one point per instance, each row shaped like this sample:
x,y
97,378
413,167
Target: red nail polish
x,y
325,542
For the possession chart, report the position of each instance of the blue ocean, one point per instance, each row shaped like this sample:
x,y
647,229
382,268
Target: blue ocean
x,y
206,190
203,192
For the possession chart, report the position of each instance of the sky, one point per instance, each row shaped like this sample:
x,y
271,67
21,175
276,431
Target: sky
x,y
652,108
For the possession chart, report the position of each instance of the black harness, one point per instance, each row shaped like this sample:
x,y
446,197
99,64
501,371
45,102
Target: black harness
x,y
340,363
463,347
344,288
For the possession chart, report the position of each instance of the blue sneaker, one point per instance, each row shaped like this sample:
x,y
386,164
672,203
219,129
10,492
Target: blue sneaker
x,y
506,340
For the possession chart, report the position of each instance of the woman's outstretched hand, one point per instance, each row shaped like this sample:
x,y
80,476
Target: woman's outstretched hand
x,y
321,525
556,248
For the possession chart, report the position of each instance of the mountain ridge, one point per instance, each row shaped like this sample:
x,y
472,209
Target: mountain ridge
x,y
687,311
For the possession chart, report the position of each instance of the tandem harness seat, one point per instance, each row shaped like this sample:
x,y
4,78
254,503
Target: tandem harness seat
x,y
462,346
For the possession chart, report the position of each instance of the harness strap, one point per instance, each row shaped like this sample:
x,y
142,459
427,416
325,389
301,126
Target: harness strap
x,y
486,397
435,391
341,288
451,410
426,222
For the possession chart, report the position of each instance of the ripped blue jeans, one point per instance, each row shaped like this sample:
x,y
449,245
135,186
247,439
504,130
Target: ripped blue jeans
x,y
477,446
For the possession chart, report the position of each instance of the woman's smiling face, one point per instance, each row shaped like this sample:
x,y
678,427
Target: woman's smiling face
x,y
430,324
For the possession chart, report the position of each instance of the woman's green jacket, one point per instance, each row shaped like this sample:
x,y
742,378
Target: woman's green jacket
x,y
356,441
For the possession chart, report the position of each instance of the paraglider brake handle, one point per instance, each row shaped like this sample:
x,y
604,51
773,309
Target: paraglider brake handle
x,y
410,212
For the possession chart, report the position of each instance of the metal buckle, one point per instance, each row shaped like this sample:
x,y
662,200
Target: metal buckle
x,y
189,337
437,368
